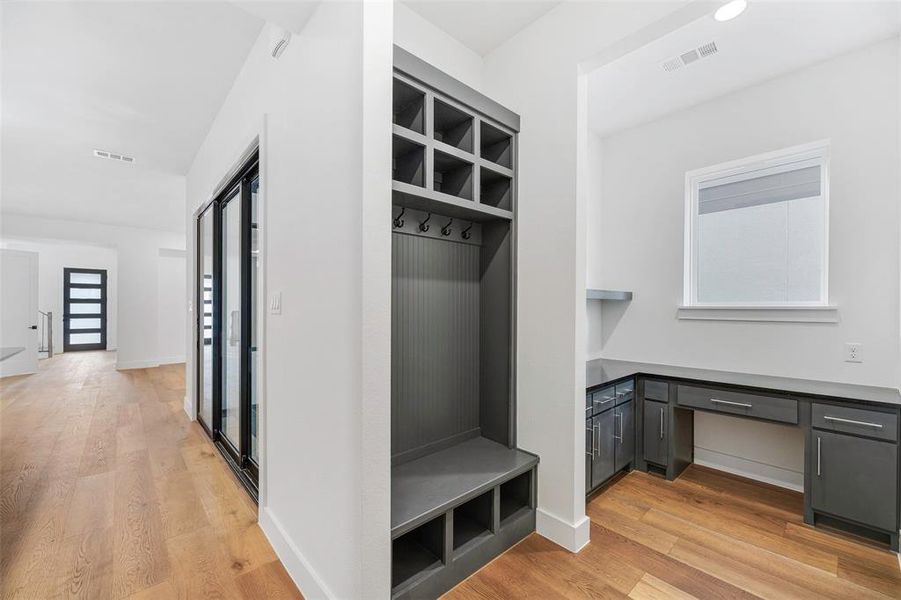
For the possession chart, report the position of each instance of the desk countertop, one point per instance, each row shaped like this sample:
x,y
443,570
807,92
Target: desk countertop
x,y
600,371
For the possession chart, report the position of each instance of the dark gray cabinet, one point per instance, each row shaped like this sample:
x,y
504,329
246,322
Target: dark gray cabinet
x,y
624,427
855,479
603,463
609,439
654,433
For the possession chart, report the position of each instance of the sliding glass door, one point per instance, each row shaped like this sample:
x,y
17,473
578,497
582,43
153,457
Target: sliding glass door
x,y
227,365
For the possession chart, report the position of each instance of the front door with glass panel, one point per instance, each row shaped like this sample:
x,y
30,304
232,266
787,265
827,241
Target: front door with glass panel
x,y
84,309
227,258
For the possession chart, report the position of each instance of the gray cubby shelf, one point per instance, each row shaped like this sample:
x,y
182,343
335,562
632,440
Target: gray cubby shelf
x,y
408,107
452,175
452,126
408,164
427,487
496,189
472,521
417,553
496,145
515,498
417,198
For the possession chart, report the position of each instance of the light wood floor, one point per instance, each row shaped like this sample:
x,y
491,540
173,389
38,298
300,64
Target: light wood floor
x,y
706,535
108,491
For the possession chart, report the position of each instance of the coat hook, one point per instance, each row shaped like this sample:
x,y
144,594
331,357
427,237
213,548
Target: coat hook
x,y
398,221
446,230
424,226
466,235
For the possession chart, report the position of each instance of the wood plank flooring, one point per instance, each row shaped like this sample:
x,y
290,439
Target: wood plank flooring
x,y
108,491
706,535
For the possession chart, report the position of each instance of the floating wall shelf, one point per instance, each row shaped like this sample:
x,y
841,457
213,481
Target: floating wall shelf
x,y
609,295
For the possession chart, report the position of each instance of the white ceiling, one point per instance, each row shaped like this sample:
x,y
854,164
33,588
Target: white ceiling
x,y
769,39
144,79
481,25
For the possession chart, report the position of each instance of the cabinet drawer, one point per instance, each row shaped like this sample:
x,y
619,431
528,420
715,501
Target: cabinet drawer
x,y
859,421
656,390
625,392
603,399
589,407
771,408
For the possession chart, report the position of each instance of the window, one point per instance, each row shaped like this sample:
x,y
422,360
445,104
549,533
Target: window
x,y
757,231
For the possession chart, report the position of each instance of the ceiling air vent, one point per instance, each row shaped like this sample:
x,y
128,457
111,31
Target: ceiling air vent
x,y
113,156
690,56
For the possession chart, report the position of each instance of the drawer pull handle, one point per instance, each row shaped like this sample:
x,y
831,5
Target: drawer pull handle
x,y
620,436
853,422
606,399
661,423
597,436
590,450
727,402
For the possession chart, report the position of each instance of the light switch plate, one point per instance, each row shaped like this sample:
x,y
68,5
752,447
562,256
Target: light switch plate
x,y
275,303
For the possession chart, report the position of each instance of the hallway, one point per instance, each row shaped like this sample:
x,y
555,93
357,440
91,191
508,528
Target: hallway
x,y
108,491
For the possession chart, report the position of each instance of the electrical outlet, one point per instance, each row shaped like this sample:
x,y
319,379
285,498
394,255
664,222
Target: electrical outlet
x,y
854,352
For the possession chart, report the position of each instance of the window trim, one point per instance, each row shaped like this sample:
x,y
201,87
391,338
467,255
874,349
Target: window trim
x,y
816,153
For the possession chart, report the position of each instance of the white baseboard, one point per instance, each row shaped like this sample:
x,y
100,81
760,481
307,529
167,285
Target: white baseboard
x,y
186,404
572,537
306,579
171,360
778,476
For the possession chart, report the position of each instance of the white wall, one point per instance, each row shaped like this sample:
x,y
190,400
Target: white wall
x,y
418,36
853,100
171,306
53,257
137,267
322,113
536,74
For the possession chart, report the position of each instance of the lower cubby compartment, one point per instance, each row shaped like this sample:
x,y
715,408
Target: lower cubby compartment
x,y
472,519
417,553
516,495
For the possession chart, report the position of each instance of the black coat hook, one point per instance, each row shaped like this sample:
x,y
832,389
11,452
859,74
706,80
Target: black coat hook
x,y
398,221
424,226
446,230
466,235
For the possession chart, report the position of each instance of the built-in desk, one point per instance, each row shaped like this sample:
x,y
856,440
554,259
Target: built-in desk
x,y
851,455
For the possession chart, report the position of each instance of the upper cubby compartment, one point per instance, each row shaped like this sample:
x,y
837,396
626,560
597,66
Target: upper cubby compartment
x,y
496,145
409,107
495,189
453,126
408,164
452,176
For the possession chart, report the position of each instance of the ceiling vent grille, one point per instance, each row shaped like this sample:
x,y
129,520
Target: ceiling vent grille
x,y
113,156
690,56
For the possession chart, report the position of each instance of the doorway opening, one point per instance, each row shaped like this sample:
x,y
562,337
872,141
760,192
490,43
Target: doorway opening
x,y
84,309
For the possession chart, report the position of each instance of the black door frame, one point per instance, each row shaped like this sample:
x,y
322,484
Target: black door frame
x,y
246,469
67,316
200,302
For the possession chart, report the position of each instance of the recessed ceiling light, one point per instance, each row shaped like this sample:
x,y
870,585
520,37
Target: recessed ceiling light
x,y
730,10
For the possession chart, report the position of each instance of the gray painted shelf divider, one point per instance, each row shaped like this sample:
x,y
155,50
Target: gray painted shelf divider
x,y
427,487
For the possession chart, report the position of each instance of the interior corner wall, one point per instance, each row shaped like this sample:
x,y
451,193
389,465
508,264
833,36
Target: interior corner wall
x,y
851,99
137,274
171,299
307,110
420,37
536,74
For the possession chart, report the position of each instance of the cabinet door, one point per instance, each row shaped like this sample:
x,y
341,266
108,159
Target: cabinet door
x,y
625,435
655,433
855,478
589,453
602,467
